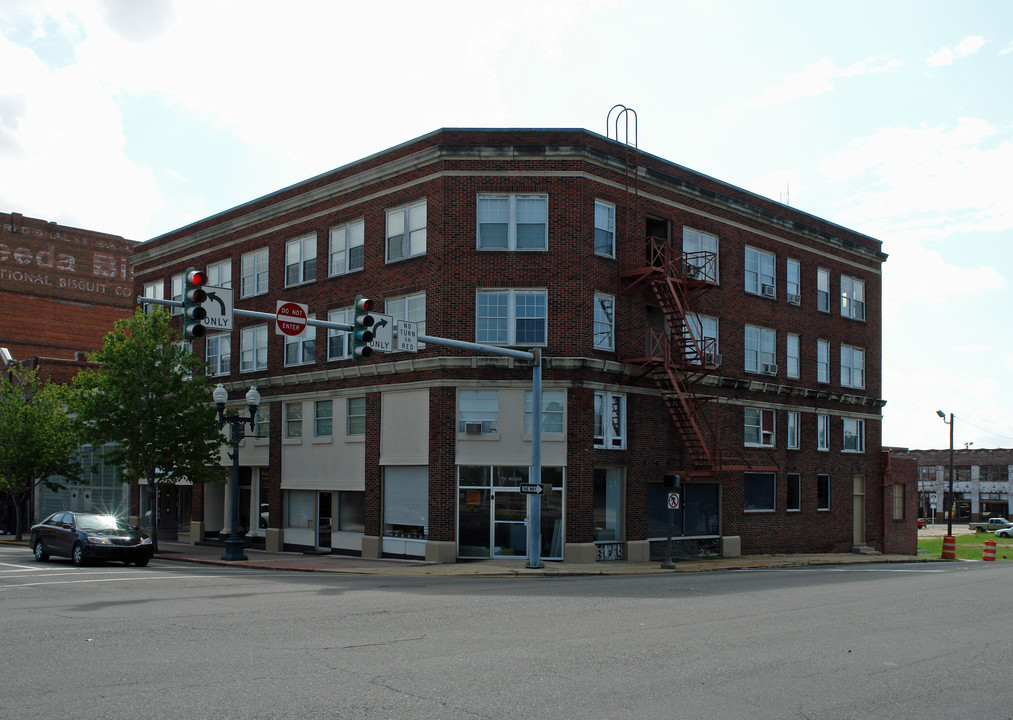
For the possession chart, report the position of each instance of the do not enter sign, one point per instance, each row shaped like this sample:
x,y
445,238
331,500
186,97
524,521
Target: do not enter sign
x,y
290,318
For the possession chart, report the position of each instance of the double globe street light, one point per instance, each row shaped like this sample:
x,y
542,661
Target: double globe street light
x,y
234,545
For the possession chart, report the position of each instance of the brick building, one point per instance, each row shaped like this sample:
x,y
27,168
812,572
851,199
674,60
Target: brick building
x,y
687,326
981,487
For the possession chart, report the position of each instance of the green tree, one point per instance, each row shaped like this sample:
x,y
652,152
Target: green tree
x,y
38,439
149,396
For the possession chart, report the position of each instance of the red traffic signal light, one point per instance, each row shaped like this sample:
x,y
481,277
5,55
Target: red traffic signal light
x,y
194,296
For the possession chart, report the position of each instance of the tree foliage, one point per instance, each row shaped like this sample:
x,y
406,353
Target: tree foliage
x,y
38,439
149,396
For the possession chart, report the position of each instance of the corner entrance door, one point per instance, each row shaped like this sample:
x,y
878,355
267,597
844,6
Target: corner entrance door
x,y
324,521
859,510
510,528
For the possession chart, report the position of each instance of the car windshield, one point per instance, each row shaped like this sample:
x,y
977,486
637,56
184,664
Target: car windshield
x,y
101,522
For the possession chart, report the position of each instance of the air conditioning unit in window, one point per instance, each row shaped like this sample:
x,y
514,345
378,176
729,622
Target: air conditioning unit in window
x,y
794,299
693,272
712,359
473,428
769,369
768,290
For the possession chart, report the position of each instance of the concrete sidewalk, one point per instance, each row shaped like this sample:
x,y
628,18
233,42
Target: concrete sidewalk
x,y
299,562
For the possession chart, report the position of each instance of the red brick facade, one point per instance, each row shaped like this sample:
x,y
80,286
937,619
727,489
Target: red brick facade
x,y
573,169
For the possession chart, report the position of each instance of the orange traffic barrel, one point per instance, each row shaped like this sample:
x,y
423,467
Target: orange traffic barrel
x,y
949,548
989,552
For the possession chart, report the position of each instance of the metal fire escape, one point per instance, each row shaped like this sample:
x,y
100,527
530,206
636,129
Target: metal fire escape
x,y
676,356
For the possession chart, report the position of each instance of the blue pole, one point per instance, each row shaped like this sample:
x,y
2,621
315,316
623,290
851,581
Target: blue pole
x,y
535,501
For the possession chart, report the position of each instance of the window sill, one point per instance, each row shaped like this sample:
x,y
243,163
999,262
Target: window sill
x,y
326,440
346,272
291,441
759,512
479,436
300,284
759,445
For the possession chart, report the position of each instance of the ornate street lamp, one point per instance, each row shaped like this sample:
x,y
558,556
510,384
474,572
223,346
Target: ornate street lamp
x,y
234,545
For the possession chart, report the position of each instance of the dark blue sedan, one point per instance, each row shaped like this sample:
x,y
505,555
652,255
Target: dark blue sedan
x,y
89,536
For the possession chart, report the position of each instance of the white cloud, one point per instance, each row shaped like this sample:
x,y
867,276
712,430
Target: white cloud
x,y
946,55
1008,49
816,78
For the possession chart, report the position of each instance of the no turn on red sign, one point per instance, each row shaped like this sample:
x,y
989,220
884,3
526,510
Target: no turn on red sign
x,y
290,318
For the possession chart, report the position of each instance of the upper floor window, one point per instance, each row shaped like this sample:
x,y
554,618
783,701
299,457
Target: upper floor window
x,y
513,222
355,413
704,330
293,420
701,251
609,420
301,260
347,249
852,366
852,298
323,418
604,228
254,273
604,322
793,356
553,405
759,350
220,274
155,290
406,231
823,290
301,349
477,411
339,342
823,361
218,349
793,430
793,282
822,432
410,308
854,435
511,317
253,348
760,276
759,427
822,492
177,293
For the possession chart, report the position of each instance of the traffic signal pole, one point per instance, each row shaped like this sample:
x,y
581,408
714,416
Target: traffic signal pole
x,y
534,539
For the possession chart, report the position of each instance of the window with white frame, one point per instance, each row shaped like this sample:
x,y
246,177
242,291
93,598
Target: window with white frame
x,y
263,422
793,502
823,361
793,356
704,330
759,350
759,492
759,427
253,348
604,322
852,298
854,435
177,293
339,342
346,252
609,420
760,277
822,492
154,290
410,308
323,418
793,287
553,405
220,274
511,317
852,366
823,290
604,228
406,231
253,268
513,222
793,430
355,415
822,432
301,260
477,411
293,420
301,349
218,353
694,244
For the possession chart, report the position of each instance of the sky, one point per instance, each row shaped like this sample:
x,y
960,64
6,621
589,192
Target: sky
x,y
892,118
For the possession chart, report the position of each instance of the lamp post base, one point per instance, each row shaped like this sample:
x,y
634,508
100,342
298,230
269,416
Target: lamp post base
x,y
234,549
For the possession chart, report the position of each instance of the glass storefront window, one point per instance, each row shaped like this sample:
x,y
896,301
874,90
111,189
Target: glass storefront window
x,y
299,508
699,513
350,503
406,502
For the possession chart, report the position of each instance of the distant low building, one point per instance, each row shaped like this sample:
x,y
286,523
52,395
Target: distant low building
x,y
981,486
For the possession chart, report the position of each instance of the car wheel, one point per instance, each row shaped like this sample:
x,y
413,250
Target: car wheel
x,y
39,551
77,554
141,562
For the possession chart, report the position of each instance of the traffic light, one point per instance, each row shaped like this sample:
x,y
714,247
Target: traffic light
x,y
362,324
194,296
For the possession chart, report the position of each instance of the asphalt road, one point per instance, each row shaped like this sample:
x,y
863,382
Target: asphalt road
x,y
176,641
